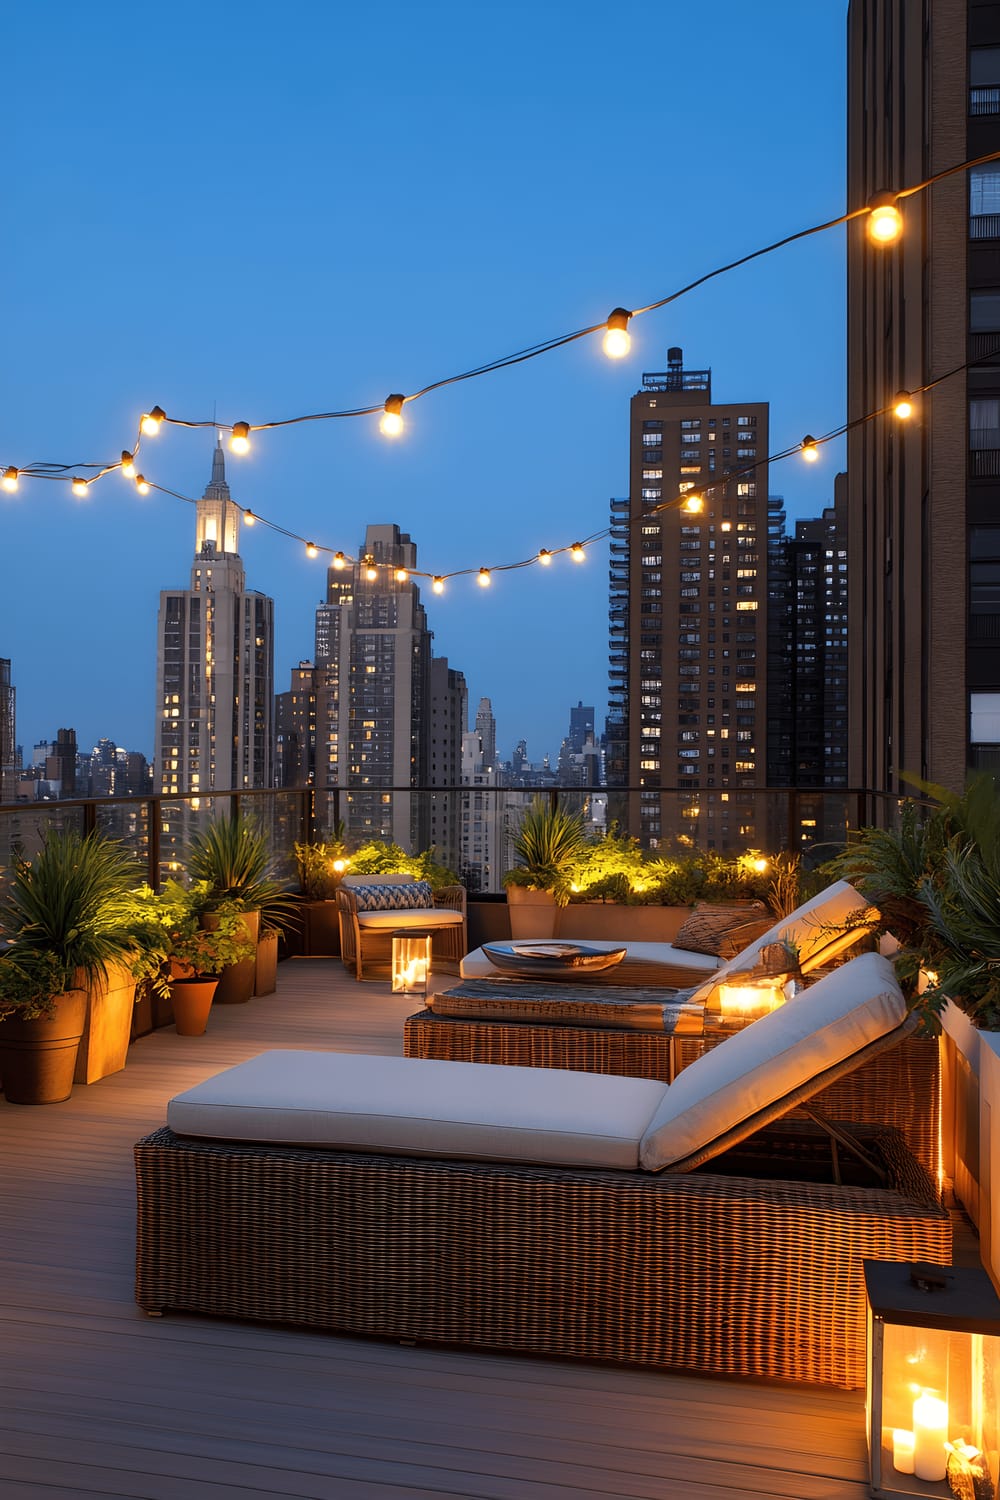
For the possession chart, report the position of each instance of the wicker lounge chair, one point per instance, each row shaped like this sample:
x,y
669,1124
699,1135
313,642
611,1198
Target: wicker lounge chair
x,y
373,907
712,1271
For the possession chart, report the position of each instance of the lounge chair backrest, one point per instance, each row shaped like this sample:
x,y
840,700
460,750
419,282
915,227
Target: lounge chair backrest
x,y
777,1057
376,879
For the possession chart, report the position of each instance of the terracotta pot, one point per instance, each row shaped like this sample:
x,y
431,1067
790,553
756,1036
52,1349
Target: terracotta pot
x,y
322,928
532,913
108,1025
37,1058
236,980
265,976
192,1002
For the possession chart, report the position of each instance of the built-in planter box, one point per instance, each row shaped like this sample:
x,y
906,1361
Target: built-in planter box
x,y
108,1026
607,921
265,974
320,929
970,1114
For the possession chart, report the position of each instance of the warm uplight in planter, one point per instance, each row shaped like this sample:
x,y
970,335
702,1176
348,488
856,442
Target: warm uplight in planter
x,y
411,962
748,1001
933,1372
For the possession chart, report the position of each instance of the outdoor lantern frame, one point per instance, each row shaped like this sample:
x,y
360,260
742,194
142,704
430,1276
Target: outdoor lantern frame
x,y
411,961
933,1390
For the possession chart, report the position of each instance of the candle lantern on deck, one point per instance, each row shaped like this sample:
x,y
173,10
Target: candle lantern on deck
x,y
933,1395
411,962
747,1001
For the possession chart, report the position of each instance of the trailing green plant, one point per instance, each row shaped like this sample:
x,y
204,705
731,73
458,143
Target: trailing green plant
x,y
609,868
168,926
382,857
29,983
547,842
232,858
320,867
71,900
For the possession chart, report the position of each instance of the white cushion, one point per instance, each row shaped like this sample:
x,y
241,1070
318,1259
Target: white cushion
x,y
423,1107
423,916
822,1026
688,967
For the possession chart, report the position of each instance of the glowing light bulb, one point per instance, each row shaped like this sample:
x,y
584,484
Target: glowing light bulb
x,y
809,450
438,585
693,504
759,865
371,572
391,420
484,578
902,405
885,222
240,440
544,556
311,549
249,518
79,486
401,575
10,479
339,866
576,552
142,484
617,341
151,420
339,561
128,464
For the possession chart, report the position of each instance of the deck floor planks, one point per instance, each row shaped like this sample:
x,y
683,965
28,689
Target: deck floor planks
x,y
99,1400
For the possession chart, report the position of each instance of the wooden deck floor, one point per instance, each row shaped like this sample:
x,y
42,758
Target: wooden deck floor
x,y
98,1400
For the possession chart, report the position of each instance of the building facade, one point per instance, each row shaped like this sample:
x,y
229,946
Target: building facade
x,y
9,769
688,681
215,662
449,701
924,496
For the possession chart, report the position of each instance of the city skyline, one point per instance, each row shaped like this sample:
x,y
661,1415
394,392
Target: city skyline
x,y
420,194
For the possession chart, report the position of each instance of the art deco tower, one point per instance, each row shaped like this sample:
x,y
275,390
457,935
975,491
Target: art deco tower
x,y
215,669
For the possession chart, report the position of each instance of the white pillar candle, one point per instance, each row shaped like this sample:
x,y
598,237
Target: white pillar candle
x,y
902,1450
930,1433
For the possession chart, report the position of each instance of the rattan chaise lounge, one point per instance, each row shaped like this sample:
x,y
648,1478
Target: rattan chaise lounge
x,y
556,1213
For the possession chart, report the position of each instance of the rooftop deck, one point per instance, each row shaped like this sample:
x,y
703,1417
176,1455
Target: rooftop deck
x,y
99,1400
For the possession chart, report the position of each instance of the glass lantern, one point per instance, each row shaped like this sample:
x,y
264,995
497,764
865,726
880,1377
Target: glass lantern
x,y
740,1003
933,1395
411,962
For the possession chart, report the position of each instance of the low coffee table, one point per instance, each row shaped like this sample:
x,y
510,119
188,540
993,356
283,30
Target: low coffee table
x,y
635,1031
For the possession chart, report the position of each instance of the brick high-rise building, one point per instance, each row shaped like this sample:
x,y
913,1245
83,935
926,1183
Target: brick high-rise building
x,y
9,769
924,496
688,612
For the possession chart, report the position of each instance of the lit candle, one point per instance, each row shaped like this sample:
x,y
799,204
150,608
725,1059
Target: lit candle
x,y
930,1433
902,1450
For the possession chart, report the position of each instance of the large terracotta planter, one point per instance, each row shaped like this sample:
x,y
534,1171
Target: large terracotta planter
x,y
321,929
265,976
610,921
532,913
38,1058
107,1026
236,980
192,1002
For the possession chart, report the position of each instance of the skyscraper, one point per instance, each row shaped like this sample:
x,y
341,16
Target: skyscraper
x,y
373,663
924,96
449,716
486,728
8,732
688,597
215,662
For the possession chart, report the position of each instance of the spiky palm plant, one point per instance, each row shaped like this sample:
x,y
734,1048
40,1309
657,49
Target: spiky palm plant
x,y
546,842
232,855
72,900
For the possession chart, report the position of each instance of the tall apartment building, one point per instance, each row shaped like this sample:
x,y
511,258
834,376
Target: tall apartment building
x,y
9,770
924,496
486,728
295,729
688,613
215,662
449,718
373,687
807,647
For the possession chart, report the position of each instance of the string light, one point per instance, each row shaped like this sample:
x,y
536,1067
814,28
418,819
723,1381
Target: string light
x,y
810,449
79,486
339,560
142,484
617,340
240,440
249,518
401,575
151,421
128,464
576,552
437,584
902,405
544,557
485,578
885,222
391,423
693,504
311,549
9,480
371,572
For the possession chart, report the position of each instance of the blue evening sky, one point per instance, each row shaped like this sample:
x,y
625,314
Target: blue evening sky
x,y
270,210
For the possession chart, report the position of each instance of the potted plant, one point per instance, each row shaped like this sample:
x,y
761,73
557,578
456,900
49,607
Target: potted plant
x,y
70,901
188,957
41,1022
230,861
319,867
546,843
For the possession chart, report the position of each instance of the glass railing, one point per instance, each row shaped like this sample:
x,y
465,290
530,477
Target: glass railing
x,y
470,828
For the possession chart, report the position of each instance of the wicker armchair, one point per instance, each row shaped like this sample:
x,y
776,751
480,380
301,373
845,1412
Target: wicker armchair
x,y
366,930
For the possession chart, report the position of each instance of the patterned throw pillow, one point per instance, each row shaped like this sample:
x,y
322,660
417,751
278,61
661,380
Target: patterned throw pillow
x,y
410,895
723,931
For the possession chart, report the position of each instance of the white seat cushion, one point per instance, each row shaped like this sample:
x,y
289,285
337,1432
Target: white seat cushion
x,y
684,968
423,1107
820,1027
429,916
